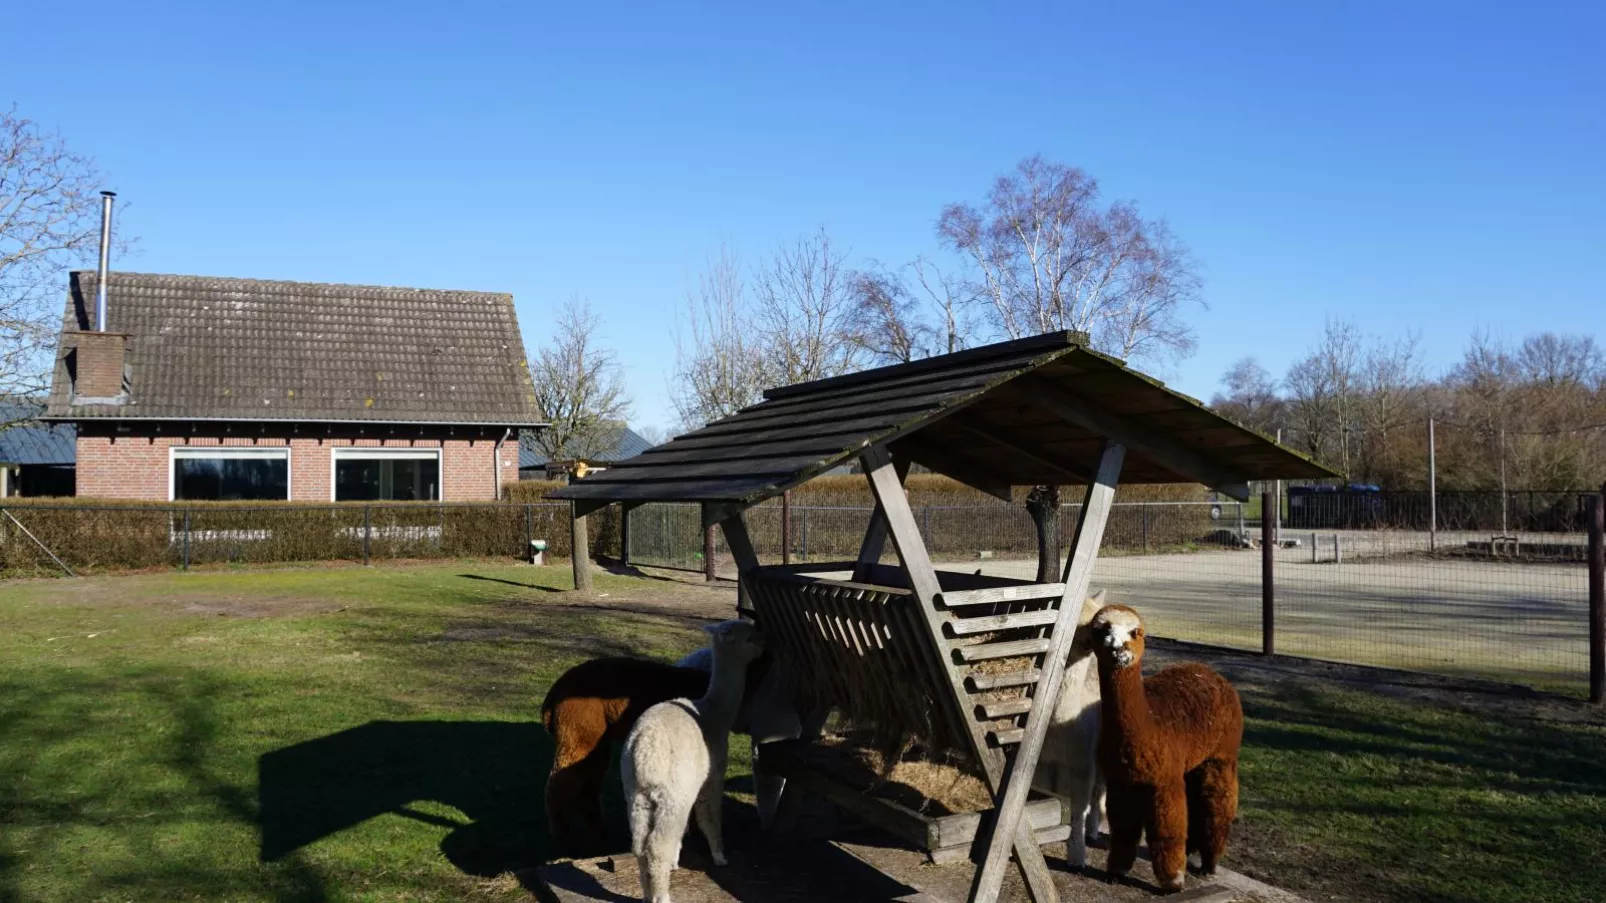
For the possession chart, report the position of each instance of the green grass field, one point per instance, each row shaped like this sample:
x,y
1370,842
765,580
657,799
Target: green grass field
x,y
371,734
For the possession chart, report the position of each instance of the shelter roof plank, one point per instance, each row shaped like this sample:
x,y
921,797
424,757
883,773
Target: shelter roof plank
x,y
1035,411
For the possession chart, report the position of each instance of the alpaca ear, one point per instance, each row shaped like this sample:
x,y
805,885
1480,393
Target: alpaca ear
x,y
1098,598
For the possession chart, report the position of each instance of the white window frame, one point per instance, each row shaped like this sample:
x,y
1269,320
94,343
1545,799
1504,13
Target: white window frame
x,y
407,454
277,453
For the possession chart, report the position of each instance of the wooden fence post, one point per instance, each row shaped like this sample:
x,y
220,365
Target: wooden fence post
x,y
786,527
1597,597
1268,585
579,550
624,536
708,554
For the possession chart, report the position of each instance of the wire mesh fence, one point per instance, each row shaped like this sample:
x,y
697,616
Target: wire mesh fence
x,y
1512,607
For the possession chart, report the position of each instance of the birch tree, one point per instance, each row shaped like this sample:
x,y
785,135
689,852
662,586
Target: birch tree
x,y
49,223
579,387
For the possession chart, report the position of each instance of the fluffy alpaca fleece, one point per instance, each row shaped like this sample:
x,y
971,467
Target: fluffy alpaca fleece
x,y
592,706
768,714
1068,766
1169,751
674,762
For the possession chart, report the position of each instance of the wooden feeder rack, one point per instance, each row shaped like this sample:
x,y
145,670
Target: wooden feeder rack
x,y
1045,410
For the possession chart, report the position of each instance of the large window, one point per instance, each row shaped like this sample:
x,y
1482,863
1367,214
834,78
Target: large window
x,y
387,474
231,474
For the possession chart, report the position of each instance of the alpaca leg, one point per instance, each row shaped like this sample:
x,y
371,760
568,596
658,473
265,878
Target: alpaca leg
x,y
709,812
1127,812
1168,835
768,787
1096,814
574,801
1079,796
662,848
1218,804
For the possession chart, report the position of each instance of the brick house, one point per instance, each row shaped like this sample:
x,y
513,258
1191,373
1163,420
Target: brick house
x,y
202,388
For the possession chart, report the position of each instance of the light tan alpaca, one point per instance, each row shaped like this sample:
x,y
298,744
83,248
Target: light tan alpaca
x,y
1068,767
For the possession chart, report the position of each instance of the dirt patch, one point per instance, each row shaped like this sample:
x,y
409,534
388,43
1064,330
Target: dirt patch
x,y
262,607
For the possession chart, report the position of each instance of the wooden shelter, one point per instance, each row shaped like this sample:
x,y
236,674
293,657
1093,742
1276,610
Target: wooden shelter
x,y
1045,410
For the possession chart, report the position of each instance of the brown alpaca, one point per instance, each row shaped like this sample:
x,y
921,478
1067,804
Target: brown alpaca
x,y
1169,750
593,705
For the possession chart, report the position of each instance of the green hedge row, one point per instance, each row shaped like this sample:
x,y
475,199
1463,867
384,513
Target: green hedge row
x,y
92,537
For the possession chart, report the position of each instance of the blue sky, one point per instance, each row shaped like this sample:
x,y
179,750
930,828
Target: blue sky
x,y
1427,166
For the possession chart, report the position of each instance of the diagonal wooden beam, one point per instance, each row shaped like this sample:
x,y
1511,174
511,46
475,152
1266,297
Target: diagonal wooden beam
x,y
875,535
998,437
1078,574
1134,435
923,581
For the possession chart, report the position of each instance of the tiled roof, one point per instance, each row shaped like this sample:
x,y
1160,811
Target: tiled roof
x,y
27,441
627,443
245,349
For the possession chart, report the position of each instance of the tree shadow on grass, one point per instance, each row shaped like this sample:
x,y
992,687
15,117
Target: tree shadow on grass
x,y
503,580
489,771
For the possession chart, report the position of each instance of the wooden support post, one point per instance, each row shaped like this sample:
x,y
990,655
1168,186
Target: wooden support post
x,y
740,545
786,527
1010,829
875,535
580,550
887,486
1268,585
1597,598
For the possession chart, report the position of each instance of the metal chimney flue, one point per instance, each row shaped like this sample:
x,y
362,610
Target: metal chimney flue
x,y
106,199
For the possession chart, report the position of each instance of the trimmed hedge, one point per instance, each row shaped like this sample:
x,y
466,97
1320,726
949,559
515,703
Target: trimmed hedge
x,y
93,536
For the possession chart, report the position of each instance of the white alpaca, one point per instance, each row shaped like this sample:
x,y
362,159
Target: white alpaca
x,y
674,762
767,714
1068,766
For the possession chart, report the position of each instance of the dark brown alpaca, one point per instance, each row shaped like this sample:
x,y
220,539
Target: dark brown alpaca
x,y
1169,750
593,705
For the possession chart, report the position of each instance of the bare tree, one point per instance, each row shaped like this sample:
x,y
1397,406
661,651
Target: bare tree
x,y
719,359
1250,397
1047,254
805,313
1323,388
1561,360
1389,395
888,325
579,387
654,434
49,222
949,302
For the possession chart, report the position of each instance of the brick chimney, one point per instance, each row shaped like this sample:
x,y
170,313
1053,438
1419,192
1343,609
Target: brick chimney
x,y
95,359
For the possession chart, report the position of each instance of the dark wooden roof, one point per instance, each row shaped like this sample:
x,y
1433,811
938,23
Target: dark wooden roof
x,y
1029,412
212,348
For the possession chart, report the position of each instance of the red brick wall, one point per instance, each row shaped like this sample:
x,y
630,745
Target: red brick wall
x,y
124,467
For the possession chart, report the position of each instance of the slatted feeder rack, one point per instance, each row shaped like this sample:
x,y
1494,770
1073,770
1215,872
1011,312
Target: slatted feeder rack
x,y
909,641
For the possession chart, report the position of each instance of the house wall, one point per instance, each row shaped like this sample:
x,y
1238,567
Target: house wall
x,y
115,465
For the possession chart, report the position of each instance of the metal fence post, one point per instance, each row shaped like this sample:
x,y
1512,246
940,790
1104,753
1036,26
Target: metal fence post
x,y
1145,529
805,534
367,531
1597,598
1268,585
529,528
925,523
186,539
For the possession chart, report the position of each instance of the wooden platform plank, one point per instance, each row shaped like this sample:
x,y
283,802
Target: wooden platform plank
x,y
980,682
988,596
985,651
991,623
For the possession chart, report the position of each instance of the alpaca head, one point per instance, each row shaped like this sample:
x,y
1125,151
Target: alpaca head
x,y
1117,636
1082,641
737,640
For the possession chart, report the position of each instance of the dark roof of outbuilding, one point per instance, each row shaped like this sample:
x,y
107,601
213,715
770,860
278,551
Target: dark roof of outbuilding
x,y
26,441
213,348
1029,412
624,443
